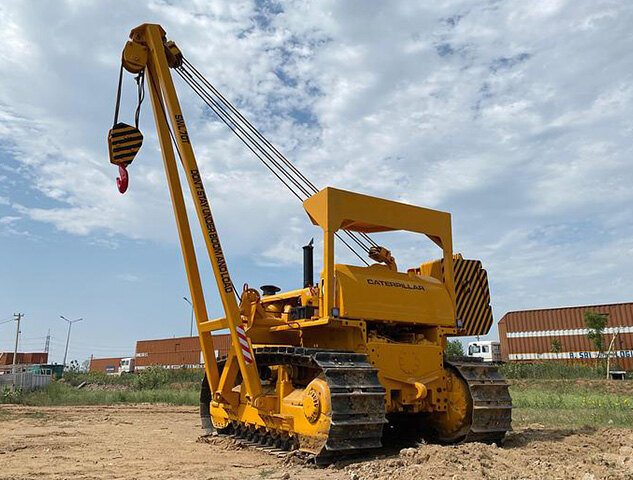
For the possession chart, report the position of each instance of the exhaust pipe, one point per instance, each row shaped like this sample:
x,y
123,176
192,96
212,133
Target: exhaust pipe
x,y
308,264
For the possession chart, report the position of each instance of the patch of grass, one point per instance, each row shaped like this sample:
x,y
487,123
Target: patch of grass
x,y
63,394
571,405
151,377
551,370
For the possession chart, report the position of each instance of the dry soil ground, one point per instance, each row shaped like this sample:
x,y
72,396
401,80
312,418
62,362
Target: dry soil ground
x,y
160,442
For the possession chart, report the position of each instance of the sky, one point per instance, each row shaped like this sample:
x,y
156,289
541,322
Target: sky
x,y
515,117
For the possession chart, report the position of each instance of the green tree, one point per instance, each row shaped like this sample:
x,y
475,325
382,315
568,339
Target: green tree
x,y
557,347
454,348
596,323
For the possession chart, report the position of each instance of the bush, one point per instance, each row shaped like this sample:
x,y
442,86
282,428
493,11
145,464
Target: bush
x,y
150,377
8,395
550,370
63,394
454,348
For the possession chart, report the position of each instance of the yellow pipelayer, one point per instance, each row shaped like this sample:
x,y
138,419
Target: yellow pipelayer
x,y
336,361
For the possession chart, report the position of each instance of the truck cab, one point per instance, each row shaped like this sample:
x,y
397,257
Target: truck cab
x,y
487,350
126,366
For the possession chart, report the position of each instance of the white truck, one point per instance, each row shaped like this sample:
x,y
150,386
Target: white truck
x,y
126,366
487,350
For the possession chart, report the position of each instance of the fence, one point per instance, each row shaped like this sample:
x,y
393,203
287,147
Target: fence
x,y
24,380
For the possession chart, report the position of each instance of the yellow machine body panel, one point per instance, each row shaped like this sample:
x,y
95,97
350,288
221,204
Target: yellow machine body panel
x,y
380,294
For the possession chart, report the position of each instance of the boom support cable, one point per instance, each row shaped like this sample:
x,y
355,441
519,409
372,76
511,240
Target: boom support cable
x,y
256,149
261,147
266,142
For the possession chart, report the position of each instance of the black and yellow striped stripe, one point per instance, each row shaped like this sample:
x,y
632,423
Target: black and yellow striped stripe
x,y
124,142
472,295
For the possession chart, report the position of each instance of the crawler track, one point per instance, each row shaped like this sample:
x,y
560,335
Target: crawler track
x,y
491,401
357,400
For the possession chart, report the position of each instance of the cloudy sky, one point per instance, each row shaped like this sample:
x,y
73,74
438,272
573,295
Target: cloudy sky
x,y
514,116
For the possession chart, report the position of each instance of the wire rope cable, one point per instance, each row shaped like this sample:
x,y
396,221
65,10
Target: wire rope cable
x,y
270,157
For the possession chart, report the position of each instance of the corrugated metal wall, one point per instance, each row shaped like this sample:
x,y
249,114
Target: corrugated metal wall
x,y
176,352
105,365
528,335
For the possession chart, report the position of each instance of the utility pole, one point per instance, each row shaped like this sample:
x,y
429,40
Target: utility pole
x,y
191,321
47,345
70,324
18,317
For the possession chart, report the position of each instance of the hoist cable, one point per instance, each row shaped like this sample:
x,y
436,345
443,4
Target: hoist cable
x,y
140,83
251,127
118,97
254,129
222,113
245,142
235,127
230,122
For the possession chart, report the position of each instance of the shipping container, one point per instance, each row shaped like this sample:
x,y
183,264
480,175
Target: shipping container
x,y
177,352
561,334
105,365
23,358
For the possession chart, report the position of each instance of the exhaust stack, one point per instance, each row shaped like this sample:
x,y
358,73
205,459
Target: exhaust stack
x,y
308,264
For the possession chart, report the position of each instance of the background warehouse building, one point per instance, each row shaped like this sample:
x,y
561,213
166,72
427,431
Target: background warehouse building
x,y
530,335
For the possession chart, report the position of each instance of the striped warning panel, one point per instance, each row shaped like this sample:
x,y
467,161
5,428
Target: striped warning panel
x,y
244,346
472,296
124,142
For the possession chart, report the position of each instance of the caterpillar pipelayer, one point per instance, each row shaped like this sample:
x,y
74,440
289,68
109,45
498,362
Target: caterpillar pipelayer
x,y
331,367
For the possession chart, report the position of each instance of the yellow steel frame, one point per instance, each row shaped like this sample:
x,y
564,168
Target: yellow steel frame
x,y
165,104
333,209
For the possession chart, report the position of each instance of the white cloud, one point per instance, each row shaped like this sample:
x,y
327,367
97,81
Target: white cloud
x,y
128,277
514,117
8,219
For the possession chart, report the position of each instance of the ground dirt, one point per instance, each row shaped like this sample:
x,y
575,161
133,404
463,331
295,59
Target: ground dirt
x,y
161,442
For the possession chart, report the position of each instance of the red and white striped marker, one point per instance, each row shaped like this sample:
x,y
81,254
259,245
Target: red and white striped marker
x,y
246,349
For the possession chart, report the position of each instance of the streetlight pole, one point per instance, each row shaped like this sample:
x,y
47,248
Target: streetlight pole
x,y
191,321
70,324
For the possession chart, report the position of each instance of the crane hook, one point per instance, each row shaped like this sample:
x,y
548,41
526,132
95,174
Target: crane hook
x,y
123,179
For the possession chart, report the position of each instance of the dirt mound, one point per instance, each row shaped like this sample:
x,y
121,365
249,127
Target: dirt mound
x,y
532,453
